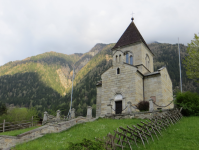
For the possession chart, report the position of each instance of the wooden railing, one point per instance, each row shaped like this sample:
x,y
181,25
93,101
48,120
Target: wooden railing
x,y
9,126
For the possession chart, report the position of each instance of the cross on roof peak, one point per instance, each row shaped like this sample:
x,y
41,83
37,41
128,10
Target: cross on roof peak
x,y
132,16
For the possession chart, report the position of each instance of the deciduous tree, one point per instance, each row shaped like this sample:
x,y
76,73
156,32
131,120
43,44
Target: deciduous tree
x,y
191,61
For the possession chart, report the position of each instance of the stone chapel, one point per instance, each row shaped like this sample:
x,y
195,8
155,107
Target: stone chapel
x,y
131,78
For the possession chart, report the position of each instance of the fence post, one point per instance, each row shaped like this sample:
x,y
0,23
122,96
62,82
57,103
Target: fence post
x,y
58,115
45,118
32,121
150,104
109,109
129,107
89,112
73,113
4,122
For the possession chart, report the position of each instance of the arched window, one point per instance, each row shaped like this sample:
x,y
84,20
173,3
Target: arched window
x,y
118,70
118,97
127,58
116,59
131,60
120,58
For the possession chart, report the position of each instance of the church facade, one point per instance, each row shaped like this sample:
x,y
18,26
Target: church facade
x,y
131,78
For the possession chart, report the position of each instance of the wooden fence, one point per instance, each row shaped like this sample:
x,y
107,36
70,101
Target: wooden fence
x,y
133,135
9,126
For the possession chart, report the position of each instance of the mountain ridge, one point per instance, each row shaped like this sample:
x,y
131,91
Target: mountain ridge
x,y
45,80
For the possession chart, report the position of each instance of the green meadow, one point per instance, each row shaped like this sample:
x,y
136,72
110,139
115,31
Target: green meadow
x,y
17,132
184,135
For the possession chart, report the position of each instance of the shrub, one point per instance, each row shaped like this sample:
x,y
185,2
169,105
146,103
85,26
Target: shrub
x,y
18,114
3,109
190,103
143,106
86,145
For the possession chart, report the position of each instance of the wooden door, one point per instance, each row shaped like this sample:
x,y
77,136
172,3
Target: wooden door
x,y
118,107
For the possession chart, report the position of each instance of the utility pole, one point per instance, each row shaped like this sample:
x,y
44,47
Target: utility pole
x,y
71,93
180,67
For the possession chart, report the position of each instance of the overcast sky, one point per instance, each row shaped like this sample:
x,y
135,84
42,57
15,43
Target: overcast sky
x,y
32,27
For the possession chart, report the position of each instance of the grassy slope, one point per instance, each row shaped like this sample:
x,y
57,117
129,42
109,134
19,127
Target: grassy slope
x,y
90,130
183,135
17,132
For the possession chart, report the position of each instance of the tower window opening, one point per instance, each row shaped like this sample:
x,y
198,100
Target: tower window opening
x,y
118,70
131,60
127,58
119,58
116,58
147,61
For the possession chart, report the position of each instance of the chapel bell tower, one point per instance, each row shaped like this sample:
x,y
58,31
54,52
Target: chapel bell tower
x,y
132,49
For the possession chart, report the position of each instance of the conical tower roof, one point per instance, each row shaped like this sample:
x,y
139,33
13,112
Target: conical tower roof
x,y
130,36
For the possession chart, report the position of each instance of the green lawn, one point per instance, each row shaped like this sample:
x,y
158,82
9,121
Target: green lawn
x,y
182,136
17,132
59,141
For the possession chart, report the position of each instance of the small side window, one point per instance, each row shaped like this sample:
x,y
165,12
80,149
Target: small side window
x,y
127,58
118,70
131,60
116,59
119,58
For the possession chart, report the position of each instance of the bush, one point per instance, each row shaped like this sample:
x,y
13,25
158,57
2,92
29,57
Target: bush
x,y
143,106
86,145
18,114
3,109
190,103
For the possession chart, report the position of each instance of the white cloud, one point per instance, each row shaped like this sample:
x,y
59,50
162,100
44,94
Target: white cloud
x,y
33,27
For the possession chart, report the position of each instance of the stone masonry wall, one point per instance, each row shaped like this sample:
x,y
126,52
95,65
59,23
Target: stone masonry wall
x,y
140,115
153,87
142,69
98,101
139,88
144,52
113,83
139,51
159,85
135,49
167,89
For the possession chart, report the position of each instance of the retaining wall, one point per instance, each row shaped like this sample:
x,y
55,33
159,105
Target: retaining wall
x,y
9,141
141,115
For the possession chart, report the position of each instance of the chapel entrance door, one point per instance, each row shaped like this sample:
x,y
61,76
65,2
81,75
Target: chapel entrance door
x,y
118,107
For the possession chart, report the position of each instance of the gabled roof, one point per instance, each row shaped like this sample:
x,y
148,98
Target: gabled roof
x,y
130,36
152,73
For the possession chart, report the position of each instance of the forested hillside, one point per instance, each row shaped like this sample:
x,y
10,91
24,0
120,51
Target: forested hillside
x,y
41,80
44,81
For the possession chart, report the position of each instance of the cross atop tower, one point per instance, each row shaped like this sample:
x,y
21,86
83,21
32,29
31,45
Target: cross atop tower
x,y
132,16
